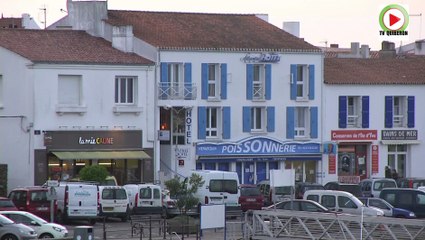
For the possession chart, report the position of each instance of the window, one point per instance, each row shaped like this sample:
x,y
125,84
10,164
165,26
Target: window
x,y
176,81
212,122
397,155
257,115
302,122
354,111
178,118
258,81
345,202
125,90
399,111
229,186
145,193
175,77
213,80
328,201
302,82
69,90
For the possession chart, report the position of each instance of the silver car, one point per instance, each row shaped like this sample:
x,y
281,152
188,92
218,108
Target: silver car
x,y
9,230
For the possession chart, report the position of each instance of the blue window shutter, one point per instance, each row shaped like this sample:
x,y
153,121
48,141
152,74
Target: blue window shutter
x,y
164,81
268,81
226,123
204,81
246,119
293,81
188,81
202,122
314,124
342,115
249,78
365,112
411,111
311,82
223,83
290,122
270,119
388,111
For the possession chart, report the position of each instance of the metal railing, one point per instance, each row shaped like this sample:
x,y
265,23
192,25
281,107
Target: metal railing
x,y
176,91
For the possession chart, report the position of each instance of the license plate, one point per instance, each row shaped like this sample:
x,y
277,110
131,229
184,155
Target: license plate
x,y
108,208
42,208
251,200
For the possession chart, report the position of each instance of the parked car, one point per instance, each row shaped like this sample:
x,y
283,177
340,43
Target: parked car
x,y
410,182
7,204
113,202
32,199
298,205
251,198
341,201
389,210
9,230
406,198
301,187
354,189
275,194
41,226
371,187
170,206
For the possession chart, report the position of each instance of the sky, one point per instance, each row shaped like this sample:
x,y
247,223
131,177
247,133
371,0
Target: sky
x,y
322,22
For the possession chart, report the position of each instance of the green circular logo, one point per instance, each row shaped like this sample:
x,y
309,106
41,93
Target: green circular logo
x,y
393,18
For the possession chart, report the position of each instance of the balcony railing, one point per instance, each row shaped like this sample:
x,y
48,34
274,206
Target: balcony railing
x,y
173,91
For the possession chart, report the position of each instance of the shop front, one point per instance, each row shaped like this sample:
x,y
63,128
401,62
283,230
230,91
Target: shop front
x,y
253,158
120,152
355,154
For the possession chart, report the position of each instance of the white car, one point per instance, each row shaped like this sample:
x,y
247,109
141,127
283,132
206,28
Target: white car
x,y
41,226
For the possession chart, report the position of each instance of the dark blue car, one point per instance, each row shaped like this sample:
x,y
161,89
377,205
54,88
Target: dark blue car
x,y
389,210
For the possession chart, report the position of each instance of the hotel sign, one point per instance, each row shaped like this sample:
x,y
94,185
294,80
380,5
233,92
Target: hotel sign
x,y
261,58
399,135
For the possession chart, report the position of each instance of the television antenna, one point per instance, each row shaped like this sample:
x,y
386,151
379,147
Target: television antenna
x,y
420,22
45,16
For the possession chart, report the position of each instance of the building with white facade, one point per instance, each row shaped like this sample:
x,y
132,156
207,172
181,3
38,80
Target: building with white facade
x,y
233,91
373,115
68,100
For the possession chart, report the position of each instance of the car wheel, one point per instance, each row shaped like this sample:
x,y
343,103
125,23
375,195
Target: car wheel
x,y
9,237
46,235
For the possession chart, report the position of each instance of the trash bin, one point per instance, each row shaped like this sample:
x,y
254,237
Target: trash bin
x,y
83,233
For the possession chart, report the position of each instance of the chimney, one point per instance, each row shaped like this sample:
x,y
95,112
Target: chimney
x,y
292,28
365,51
388,50
354,52
334,45
420,47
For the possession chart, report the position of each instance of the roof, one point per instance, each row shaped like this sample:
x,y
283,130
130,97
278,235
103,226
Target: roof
x,y
65,46
207,31
408,70
10,22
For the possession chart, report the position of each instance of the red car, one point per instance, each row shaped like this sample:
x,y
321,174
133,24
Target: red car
x,y
6,204
32,199
251,198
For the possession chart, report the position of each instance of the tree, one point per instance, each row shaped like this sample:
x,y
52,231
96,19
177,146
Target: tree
x,y
96,173
184,191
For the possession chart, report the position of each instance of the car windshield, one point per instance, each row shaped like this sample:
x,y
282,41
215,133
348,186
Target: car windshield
x,y
286,190
250,191
379,185
5,221
6,203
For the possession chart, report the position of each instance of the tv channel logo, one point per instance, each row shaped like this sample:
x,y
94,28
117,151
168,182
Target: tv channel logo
x,y
393,20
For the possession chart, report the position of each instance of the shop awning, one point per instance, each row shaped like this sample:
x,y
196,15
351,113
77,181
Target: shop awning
x,y
102,155
395,142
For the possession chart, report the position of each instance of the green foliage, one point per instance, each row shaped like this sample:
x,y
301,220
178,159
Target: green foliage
x,y
94,173
184,191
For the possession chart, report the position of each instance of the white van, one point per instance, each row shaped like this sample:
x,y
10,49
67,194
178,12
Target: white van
x,y
220,187
341,201
114,202
145,198
76,201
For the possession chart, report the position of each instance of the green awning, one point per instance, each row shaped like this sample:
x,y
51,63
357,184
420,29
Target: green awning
x,y
102,155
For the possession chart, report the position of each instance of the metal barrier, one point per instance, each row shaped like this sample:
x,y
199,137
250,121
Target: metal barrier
x,y
285,224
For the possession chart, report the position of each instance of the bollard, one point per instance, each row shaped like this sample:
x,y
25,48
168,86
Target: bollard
x,y
83,233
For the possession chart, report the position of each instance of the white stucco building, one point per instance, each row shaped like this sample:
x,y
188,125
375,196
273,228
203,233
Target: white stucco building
x,y
69,100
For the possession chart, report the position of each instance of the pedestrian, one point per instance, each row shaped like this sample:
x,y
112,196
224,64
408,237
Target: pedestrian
x,y
394,174
387,172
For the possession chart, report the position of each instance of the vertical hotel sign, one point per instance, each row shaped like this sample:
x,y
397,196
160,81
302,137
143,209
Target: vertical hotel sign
x,y
332,163
375,159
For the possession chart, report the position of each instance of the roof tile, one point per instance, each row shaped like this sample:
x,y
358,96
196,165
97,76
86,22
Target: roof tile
x,y
65,46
